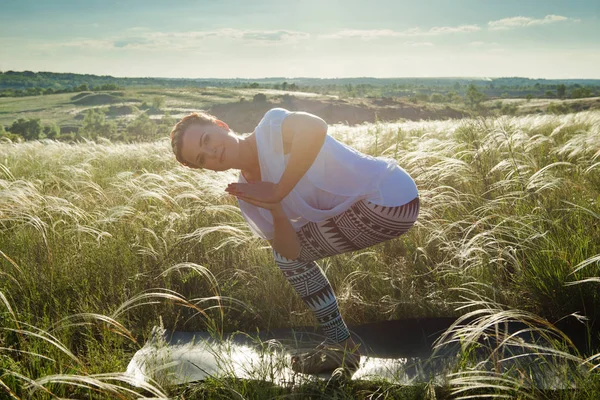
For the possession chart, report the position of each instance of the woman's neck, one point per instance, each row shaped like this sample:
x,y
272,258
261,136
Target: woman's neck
x,y
251,166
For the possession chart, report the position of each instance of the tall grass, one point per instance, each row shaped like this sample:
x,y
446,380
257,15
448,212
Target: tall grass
x,y
101,241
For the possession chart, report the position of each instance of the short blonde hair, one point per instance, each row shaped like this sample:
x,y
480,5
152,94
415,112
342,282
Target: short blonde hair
x,y
199,118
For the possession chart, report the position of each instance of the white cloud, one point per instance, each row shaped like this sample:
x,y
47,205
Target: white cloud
x,y
368,34
518,22
274,35
83,43
138,28
442,30
142,38
362,34
419,44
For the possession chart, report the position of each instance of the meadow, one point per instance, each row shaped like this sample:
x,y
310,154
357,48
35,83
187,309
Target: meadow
x,y
68,109
101,241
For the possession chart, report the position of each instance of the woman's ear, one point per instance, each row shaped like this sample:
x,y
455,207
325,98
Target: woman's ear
x,y
222,124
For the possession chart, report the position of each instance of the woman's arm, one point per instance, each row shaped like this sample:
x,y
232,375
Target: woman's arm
x,y
285,240
308,134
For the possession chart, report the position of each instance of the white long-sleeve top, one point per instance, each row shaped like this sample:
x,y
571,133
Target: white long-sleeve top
x,y
339,177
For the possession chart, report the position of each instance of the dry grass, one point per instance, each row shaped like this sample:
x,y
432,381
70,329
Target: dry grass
x,y
99,241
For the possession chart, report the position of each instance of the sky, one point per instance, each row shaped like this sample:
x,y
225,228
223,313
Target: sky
x,y
307,38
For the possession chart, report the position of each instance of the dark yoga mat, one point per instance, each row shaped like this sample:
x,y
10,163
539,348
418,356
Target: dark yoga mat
x,y
386,339
412,337
399,351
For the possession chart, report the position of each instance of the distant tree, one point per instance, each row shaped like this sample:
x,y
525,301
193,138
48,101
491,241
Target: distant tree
x,y
142,127
436,98
33,91
95,124
529,96
158,102
109,86
28,129
451,97
474,97
421,96
254,85
11,136
81,88
284,86
581,92
51,131
549,94
293,87
561,90
259,98
165,125
106,86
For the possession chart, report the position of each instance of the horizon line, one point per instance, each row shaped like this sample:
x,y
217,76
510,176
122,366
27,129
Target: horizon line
x,y
309,77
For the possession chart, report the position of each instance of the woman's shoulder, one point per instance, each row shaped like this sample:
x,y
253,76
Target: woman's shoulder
x,y
270,126
278,110
276,114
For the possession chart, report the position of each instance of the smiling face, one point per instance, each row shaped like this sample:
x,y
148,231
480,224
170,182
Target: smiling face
x,y
210,146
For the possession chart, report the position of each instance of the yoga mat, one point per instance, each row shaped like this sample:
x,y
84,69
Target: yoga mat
x,y
399,351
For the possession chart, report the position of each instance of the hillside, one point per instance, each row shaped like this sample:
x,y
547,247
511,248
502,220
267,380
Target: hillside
x,y
242,117
235,106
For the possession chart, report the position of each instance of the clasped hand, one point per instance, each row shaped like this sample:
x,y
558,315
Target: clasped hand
x,y
261,194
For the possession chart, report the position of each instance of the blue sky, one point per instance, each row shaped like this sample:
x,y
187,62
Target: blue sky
x,y
326,38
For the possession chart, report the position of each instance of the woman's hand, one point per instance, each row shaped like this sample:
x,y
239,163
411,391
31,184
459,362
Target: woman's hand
x,y
273,207
264,192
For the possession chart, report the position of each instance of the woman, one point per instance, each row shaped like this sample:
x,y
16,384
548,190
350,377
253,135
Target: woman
x,y
311,197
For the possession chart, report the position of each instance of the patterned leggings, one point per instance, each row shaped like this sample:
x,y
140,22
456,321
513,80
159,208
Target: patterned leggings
x,y
364,224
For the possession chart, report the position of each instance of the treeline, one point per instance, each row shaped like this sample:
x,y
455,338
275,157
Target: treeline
x,y
419,92
35,83
25,79
36,91
95,125
22,80
560,91
450,93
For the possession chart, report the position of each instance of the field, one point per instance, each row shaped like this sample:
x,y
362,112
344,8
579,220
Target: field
x,y
99,242
147,113
64,109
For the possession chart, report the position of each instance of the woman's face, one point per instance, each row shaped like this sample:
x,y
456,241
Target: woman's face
x,y
210,146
